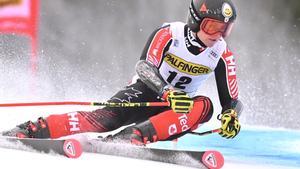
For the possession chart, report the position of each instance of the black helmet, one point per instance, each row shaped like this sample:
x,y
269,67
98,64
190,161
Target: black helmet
x,y
222,10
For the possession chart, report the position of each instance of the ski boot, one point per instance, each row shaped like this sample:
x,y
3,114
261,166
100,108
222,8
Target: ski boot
x,y
29,129
143,133
140,135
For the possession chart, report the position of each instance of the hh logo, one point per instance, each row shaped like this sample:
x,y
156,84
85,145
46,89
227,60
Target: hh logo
x,y
230,62
73,121
231,65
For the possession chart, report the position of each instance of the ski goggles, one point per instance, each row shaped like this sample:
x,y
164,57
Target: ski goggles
x,y
212,27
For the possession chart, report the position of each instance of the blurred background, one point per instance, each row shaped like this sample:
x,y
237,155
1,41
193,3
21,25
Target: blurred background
x,y
87,51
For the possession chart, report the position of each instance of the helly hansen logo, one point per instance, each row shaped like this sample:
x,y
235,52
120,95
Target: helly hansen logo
x,y
73,121
230,62
231,73
231,65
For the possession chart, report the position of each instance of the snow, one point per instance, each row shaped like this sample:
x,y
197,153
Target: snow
x,y
247,151
22,159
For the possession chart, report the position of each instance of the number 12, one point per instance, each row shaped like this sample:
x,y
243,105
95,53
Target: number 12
x,y
183,80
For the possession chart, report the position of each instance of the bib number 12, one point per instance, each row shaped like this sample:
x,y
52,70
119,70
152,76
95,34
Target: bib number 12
x,y
183,80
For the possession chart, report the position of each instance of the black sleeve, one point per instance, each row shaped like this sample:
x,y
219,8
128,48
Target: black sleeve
x,y
227,88
221,80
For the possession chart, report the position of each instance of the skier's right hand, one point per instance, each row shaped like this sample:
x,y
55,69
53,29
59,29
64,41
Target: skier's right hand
x,y
179,101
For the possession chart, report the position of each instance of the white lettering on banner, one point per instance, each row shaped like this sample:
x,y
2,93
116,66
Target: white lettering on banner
x,y
231,65
183,122
73,121
172,129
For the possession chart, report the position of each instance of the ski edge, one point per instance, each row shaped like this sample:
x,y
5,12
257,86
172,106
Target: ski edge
x,y
70,148
211,159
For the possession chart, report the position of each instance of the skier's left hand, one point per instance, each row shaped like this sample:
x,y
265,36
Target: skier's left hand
x,y
230,124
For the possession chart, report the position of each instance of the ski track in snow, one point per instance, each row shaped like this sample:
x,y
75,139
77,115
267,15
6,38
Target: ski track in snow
x,y
259,147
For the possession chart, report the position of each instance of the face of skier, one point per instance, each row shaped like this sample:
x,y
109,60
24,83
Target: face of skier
x,y
212,30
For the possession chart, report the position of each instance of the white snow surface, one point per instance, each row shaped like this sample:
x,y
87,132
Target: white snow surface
x,y
22,159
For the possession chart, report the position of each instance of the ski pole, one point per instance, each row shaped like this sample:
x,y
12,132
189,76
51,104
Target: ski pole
x,y
108,104
206,132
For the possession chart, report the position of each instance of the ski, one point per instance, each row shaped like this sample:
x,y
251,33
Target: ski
x,y
70,148
199,159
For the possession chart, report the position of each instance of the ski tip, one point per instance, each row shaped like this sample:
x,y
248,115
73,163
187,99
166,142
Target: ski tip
x,y
72,148
213,159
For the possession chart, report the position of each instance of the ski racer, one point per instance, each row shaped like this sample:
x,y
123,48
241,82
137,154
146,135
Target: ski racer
x,y
175,62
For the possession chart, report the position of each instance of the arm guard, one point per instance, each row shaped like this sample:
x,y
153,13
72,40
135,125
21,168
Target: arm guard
x,y
149,74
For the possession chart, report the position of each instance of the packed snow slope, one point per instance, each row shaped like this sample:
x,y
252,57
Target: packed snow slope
x,y
254,147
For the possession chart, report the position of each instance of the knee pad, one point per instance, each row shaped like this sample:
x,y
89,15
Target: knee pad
x,y
207,110
169,124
